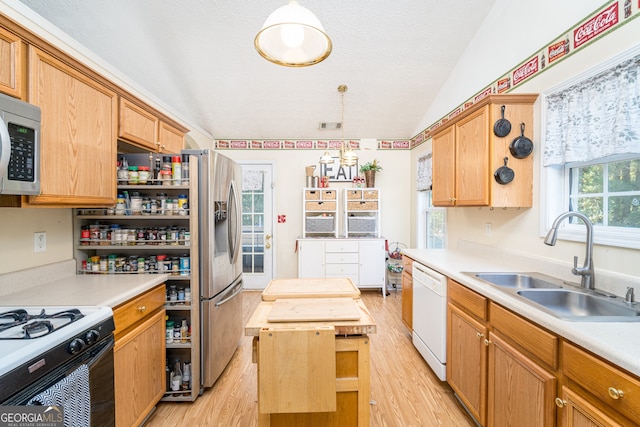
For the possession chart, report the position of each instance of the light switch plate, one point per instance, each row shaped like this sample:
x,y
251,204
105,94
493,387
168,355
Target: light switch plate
x,y
40,241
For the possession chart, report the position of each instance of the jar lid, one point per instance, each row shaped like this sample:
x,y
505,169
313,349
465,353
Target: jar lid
x,y
175,159
143,168
133,168
162,257
170,323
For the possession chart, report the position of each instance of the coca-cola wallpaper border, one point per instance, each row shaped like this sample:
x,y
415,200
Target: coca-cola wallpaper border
x,y
603,21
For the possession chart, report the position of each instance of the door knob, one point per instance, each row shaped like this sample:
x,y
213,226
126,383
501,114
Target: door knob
x,y
267,239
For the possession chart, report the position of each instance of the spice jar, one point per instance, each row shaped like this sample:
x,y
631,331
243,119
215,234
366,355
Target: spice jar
x,y
134,178
143,174
136,203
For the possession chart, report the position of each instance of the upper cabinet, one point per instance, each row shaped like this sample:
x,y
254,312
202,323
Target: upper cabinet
x,y
467,154
144,129
78,134
11,64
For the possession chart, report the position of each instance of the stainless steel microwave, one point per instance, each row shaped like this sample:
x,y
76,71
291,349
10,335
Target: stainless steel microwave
x,y
19,147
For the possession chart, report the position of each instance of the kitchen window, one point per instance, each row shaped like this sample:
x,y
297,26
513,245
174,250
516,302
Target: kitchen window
x,y
432,226
591,153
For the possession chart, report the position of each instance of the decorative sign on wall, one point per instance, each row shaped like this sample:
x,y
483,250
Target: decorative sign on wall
x,y
338,173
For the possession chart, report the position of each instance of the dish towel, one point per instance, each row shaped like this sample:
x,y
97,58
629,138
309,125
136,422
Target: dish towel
x,y
72,393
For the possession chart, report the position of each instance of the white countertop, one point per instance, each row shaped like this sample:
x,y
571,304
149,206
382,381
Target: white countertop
x,y
618,342
86,289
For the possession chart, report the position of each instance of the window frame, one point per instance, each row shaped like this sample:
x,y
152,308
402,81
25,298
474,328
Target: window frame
x,y
424,206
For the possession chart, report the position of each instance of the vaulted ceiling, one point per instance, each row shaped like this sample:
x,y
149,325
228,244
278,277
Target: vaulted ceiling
x,y
197,58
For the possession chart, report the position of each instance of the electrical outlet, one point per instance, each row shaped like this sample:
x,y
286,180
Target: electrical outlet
x,y
40,241
487,229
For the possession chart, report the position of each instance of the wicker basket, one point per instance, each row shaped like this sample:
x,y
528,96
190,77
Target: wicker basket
x,y
320,206
312,194
361,224
354,194
320,224
362,206
371,194
328,194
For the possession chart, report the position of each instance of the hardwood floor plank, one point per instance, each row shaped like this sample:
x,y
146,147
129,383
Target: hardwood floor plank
x,y
404,390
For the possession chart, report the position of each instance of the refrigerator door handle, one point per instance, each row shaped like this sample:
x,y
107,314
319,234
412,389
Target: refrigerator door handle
x,y
233,295
234,235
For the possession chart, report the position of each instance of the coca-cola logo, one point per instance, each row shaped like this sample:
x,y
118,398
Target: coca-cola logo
x,y
304,144
272,144
596,25
504,85
525,71
482,94
239,144
556,51
455,113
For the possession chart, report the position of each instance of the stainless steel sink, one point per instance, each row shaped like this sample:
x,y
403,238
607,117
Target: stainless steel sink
x,y
576,305
518,280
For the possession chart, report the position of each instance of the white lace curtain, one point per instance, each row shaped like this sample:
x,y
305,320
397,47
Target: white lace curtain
x,y
423,181
595,118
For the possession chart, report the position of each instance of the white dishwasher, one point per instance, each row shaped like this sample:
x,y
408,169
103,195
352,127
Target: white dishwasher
x,y
430,317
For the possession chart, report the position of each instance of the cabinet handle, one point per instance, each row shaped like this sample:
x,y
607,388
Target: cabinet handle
x,y
142,308
486,342
480,335
560,403
616,393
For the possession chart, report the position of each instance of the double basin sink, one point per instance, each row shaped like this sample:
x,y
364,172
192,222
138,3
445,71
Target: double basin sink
x,y
563,300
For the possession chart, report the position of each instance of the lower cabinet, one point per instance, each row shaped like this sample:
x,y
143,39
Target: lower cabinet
x,y
508,371
362,260
139,356
407,298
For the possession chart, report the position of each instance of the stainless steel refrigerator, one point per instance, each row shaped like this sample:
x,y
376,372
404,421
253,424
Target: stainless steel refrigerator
x,y
220,263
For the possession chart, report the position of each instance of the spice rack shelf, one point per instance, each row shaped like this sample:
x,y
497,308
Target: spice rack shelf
x,y
159,251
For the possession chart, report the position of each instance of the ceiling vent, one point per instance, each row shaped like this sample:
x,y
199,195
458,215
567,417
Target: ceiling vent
x,y
330,125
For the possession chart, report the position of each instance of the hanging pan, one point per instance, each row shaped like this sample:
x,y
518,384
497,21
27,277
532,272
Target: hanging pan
x,y
522,146
502,126
504,174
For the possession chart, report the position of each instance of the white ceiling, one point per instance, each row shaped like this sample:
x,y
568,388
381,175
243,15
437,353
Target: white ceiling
x,y
197,57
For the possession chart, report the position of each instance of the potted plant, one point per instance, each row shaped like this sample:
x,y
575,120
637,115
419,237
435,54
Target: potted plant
x,y
369,169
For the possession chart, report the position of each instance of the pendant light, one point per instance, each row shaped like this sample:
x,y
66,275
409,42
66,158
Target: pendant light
x,y
293,36
347,156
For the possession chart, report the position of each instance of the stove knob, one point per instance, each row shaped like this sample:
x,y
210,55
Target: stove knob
x,y
92,336
76,346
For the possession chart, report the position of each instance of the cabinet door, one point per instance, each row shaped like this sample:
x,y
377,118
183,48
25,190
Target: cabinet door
x,y
139,370
137,125
311,259
11,61
443,169
78,134
372,263
467,361
472,159
520,392
407,300
578,412
171,139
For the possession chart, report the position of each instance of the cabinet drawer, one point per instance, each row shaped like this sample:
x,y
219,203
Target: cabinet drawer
x,y
341,258
470,301
370,194
341,246
312,194
354,194
598,377
341,269
535,340
136,309
328,194
407,265
362,205
320,206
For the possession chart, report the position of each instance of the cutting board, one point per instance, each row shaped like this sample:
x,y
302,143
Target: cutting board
x,y
313,310
310,288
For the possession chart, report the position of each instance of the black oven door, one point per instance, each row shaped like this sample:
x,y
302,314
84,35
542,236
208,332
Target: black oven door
x,y
99,359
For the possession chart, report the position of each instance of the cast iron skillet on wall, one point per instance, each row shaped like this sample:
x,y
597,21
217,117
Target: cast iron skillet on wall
x,y
521,146
504,174
502,126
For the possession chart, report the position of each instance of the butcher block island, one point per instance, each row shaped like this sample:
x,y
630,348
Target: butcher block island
x,y
311,344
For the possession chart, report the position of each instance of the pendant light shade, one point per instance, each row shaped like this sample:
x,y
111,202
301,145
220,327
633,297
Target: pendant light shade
x,y
292,36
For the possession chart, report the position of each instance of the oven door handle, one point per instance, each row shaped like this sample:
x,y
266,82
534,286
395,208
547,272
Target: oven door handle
x,y
108,346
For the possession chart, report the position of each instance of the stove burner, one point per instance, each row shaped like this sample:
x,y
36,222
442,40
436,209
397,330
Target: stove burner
x,y
29,326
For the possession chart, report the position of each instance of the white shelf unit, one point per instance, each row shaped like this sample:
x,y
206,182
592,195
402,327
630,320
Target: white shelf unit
x,y
361,212
320,212
362,260
143,247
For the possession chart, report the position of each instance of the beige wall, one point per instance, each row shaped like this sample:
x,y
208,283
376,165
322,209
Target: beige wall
x,y
519,230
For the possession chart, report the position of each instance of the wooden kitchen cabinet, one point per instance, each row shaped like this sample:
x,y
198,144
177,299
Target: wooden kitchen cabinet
x,y
139,356
407,292
597,390
142,128
78,134
12,64
466,153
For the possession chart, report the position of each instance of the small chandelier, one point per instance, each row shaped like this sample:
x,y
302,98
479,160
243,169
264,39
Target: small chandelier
x,y
347,156
292,36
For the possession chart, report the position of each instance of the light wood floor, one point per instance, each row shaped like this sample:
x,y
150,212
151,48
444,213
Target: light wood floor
x,y
404,391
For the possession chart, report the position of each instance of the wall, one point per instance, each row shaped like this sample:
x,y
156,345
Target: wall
x,y
290,179
502,42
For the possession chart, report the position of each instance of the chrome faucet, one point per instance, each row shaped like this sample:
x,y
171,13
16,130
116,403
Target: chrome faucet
x,y
586,271
628,298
